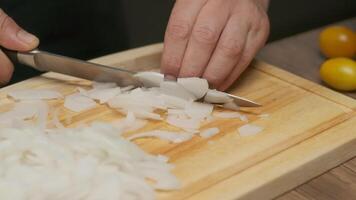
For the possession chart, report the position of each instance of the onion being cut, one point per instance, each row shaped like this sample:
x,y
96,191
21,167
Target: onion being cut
x,y
173,88
150,79
197,86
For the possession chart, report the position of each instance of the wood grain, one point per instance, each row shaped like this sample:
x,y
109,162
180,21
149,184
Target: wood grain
x,y
310,130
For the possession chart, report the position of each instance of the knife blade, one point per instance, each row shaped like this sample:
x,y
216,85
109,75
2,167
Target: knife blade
x,y
45,61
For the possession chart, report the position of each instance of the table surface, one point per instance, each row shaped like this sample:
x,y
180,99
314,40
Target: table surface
x,y
300,54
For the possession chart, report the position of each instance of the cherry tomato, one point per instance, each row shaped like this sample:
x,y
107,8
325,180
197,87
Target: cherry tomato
x,y
337,41
339,73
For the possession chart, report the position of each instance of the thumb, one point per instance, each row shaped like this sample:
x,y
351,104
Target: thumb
x,y
14,37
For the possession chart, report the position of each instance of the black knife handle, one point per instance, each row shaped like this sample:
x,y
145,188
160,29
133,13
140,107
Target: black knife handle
x,y
12,55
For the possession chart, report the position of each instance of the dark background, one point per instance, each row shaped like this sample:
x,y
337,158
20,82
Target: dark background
x,y
92,28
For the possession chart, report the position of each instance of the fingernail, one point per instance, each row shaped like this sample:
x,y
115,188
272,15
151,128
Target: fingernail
x,y
26,37
169,78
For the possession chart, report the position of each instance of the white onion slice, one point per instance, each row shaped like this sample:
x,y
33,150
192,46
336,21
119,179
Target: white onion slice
x,y
249,130
24,110
190,125
173,111
173,88
35,94
227,115
142,114
197,86
104,95
215,96
210,132
231,106
130,123
42,115
231,115
127,88
150,79
173,102
164,135
78,103
103,85
56,121
197,110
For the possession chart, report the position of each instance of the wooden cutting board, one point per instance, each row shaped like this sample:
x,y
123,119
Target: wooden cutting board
x,y
310,129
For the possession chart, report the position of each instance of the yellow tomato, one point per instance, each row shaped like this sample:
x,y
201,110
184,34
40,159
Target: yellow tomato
x,y
337,41
339,73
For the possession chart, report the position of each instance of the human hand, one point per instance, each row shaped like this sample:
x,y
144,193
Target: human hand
x,y
214,39
15,38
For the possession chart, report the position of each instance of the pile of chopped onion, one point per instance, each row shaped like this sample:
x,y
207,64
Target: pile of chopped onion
x,y
91,162
95,161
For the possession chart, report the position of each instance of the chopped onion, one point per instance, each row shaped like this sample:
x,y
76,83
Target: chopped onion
x,y
82,163
190,125
214,96
35,94
24,110
103,85
197,110
197,86
150,79
56,121
130,123
231,106
173,88
231,115
164,135
94,161
173,102
78,102
207,133
227,115
249,130
104,95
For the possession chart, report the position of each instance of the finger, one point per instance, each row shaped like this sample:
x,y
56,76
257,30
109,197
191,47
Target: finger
x,y
13,37
6,69
228,50
205,34
177,34
255,41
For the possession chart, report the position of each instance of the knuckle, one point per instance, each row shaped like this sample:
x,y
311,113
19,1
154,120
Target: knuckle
x,y
213,79
178,29
230,48
205,34
5,20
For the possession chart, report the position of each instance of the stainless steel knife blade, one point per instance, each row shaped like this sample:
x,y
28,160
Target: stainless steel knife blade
x,y
45,61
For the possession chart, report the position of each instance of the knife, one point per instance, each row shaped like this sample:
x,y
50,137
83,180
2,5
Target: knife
x,y
45,61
